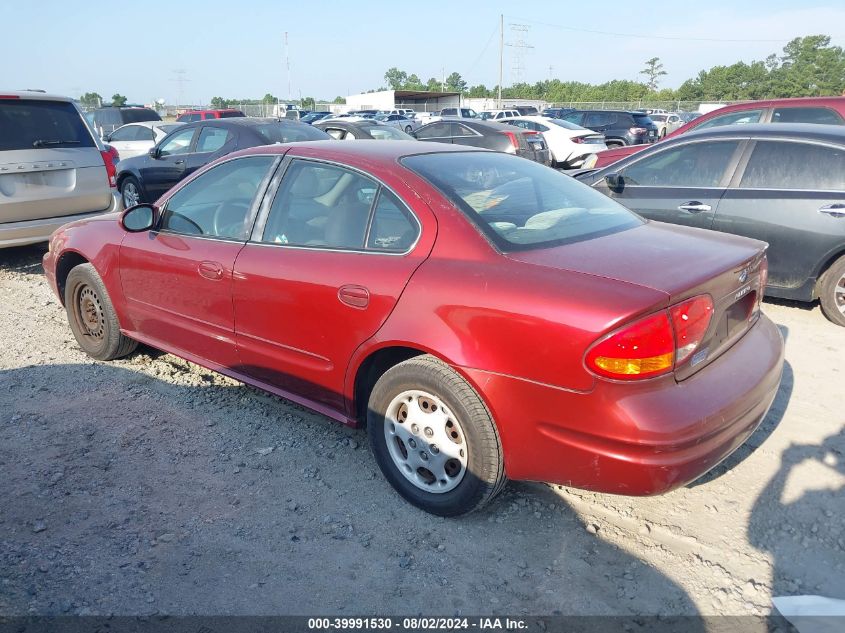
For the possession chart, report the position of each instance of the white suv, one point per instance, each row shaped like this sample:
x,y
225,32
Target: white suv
x,y
53,168
496,115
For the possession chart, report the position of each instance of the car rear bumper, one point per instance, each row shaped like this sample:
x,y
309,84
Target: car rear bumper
x,y
35,231
636,438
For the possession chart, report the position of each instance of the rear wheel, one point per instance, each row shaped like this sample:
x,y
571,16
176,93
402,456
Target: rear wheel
x,y
832,292
130,191
408,129
92,317
433,438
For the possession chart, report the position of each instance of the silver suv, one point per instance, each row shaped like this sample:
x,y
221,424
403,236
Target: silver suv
x,y
53,168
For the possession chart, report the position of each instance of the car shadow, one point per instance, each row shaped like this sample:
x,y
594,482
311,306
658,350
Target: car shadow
x,y
23,259
142,487
773,418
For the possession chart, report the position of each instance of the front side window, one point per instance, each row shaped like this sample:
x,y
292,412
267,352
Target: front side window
x,y
177,143
518,203
824,116
733,118
336,133
462,130
218,203
574,117
691,165
212,139
781,165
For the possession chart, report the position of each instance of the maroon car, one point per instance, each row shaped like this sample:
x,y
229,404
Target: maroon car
x,y
484,316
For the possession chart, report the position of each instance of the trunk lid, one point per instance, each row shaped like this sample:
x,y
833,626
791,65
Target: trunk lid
x,y
681,262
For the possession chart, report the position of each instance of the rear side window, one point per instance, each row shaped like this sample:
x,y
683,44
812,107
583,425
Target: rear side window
x,y
212,139
29,124
780,165
824,116
289,133
391,228
596,119
440,129
643,120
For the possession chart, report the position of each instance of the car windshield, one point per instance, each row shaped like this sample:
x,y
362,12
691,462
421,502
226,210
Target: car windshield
x,y
35,123
485,115
518,203
658,117
565,124
289,133
643,120
388,133
140,114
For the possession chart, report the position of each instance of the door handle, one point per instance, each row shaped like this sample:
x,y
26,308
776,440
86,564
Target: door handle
x,y
178,162
694,206
210,270
354,296
836,210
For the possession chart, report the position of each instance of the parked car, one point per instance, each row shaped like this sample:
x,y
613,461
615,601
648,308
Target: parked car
x,y
782,183
527,110
458,113
399,121
619,127
134,139
568,143
53,167
820,110
556,113
313,117
193,145
346,130
686,117
495,136
408,112
204,115
497,115
661,121
107,120
485,335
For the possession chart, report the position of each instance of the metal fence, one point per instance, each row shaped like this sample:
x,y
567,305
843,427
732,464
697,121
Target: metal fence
x,y
669,106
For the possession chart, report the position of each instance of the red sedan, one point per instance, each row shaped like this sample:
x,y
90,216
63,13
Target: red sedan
x,y
484,316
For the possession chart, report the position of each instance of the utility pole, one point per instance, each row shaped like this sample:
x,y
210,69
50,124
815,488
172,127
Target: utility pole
x,y
501,55
180,80
443,83
287,62
518,66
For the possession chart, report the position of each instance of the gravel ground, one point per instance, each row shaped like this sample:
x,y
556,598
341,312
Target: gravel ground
x,y
150,485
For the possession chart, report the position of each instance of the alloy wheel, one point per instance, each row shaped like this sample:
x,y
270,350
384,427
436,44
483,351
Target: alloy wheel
x,y
131,195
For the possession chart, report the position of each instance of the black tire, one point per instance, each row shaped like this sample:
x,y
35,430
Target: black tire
x,y
832,292
92,317
130,186
484,476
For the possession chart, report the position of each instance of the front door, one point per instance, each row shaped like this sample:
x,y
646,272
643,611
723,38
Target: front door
x,y
681,184
177,279
335,254
160,173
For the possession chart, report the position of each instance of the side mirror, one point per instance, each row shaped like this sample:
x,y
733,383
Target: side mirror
x,y
107,138
154,152
615,182
140,218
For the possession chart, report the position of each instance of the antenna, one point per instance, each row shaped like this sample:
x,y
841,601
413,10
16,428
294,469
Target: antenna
x,y
520,47
180,80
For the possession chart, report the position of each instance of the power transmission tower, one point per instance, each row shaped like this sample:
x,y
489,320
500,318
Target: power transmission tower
x,y
520,47
180,80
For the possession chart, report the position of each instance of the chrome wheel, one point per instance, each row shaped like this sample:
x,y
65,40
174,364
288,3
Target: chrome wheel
x,y
131,195
839,294
425,441
89,313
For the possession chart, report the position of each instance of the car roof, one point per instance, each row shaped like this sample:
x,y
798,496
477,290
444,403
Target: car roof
x,y
805,131
32,94
152,124
790,101
241,122
360,150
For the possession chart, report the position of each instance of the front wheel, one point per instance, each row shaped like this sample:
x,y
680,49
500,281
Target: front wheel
x,y
832,292
433,438
92,317
130,191
408,129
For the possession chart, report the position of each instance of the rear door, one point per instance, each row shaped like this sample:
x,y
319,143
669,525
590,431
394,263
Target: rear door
x,y
791,194
212,143
50,165
321,276
681,184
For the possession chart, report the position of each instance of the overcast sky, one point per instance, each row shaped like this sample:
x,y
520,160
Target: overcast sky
x,y
236,49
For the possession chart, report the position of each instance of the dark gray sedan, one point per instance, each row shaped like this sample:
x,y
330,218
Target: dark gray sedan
x,y
496,136
783,183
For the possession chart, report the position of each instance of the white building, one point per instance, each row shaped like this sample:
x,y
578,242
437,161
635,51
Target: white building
x,y
419,100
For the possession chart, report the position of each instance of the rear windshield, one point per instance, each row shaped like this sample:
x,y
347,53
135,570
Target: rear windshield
x,y
140,114
282,133
566,124
28,124
167,129
643,120
518,203
231,113
387,133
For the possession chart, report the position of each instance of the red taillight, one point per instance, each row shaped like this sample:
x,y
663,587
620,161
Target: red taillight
x,y
9,97
638,130
577,139
643,349
654,345
512,137
764,274
690,320
110,157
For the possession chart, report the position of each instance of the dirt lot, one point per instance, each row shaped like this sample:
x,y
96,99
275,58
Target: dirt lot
x,y
151,485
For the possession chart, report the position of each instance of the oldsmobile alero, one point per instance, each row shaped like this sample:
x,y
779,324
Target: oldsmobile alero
x,y
484,316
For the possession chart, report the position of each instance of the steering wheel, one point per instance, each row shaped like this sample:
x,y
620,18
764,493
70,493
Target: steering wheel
x,y
234,209
186,219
